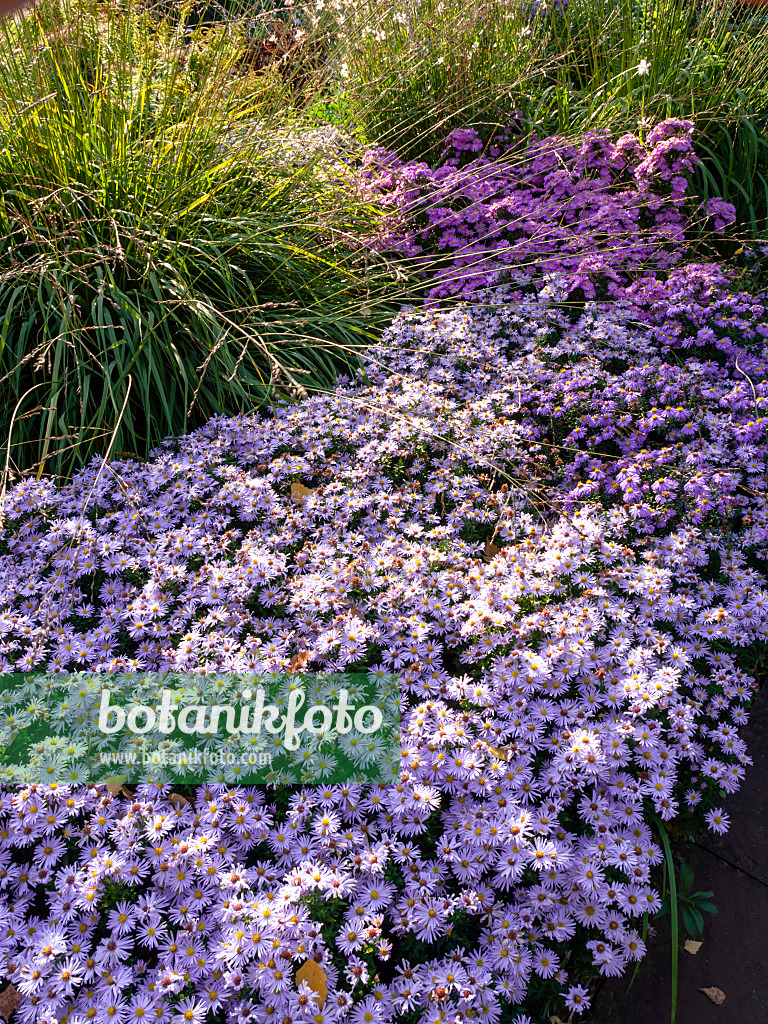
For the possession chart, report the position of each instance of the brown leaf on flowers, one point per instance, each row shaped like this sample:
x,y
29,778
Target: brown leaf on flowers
x,y
354,611
500,753
116,786
347,608
314,975
716,995
300,492
490,551
299,661
692,946
9,1000
177,800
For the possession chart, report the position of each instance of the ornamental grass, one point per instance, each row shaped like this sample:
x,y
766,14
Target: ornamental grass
x,y
160,261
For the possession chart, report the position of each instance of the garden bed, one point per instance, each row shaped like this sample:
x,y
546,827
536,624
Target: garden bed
x,y
538,494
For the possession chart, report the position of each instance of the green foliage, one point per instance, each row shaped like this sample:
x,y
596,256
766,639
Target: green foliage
x,y
733,154
116,892
412,72
691,905
329,914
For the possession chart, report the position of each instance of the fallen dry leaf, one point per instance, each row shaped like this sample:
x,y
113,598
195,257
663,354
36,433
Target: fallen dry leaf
x,y
500,753
9,1000
116,786
299,661
299,491
314,975
692,946
355,612
716,995
177,800
490,551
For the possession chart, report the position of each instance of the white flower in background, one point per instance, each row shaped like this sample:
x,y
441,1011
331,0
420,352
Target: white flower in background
x,y
643,68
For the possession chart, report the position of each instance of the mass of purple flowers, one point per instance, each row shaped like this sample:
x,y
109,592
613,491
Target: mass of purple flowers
x,y
595,212
551,523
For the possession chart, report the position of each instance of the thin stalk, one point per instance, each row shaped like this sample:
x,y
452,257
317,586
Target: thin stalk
x,y
637,962
672,909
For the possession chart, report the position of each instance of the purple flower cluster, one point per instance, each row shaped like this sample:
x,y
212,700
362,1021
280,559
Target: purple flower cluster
x,y
722,212
553,526
595,213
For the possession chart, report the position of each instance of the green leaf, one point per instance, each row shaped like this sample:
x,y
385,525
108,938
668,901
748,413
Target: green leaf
x,y
698,921
686,876
710,908
689,922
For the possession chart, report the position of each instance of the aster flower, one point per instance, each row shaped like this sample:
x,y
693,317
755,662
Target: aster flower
x,y
189,1011
717,820
577,999
545,963
141,1008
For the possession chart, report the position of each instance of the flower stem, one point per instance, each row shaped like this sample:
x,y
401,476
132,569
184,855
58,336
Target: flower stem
x,y
672,909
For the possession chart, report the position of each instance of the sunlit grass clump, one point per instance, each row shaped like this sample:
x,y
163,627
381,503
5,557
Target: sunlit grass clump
x,y
159,261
